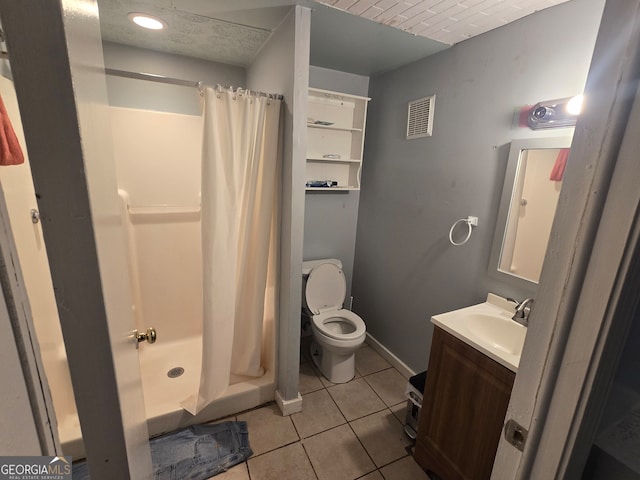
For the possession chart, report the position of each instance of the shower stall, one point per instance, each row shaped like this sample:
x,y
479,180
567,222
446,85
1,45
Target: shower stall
x,y
158,174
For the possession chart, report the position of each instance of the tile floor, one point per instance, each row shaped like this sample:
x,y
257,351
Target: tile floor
x,y
345,431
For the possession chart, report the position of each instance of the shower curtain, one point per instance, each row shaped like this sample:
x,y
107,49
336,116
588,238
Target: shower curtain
x,y
240,203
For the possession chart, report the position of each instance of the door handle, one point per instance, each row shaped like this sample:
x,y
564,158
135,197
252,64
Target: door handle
x,y
35,215
150,335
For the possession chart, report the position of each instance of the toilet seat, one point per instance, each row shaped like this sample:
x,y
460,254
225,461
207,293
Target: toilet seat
x,y
322,321
325,289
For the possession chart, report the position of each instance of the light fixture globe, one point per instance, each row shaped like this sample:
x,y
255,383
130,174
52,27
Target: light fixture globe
x,y
575,105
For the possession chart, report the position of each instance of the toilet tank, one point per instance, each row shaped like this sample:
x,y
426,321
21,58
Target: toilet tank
x,y
311,264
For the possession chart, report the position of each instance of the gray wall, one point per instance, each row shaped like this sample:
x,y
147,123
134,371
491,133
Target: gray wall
x,y
405,270
330,218
124,92
283,67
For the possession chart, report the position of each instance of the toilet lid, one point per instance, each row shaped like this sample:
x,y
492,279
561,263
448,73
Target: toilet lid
x,y
326,288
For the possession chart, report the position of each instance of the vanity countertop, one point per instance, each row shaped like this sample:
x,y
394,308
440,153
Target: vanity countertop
x,y
488,328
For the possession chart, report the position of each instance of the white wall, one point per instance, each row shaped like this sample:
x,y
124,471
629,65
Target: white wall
x,y
413,190
124,92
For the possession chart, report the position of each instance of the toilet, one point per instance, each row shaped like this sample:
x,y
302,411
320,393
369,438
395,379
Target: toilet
x,y
337,332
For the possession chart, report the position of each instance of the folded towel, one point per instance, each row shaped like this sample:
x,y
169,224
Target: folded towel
x,y
558,168
10,151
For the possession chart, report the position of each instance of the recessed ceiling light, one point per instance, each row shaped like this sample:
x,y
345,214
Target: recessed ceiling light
x,y
147,21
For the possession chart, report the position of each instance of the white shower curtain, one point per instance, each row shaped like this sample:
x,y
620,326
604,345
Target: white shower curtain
x,y
240,198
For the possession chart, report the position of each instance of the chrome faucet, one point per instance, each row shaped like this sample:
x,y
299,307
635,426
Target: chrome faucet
x,y
523,309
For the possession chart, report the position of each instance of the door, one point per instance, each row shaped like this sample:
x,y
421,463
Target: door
x,y
56,59
536,207
588,264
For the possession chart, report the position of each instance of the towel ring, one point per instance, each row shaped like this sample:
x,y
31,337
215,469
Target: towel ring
x,y
471,222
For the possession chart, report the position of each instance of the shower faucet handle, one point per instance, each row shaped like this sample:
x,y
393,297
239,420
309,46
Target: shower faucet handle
x,y
150,336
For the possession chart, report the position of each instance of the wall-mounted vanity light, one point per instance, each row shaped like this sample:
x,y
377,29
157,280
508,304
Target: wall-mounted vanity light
x,y
555,113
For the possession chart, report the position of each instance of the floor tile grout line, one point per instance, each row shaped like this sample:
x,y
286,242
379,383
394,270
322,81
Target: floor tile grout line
x,y
358,418
294,425
378,371
249,470
304,448
374,390
349,422
356,434
394,461
319,374
326,430
274,449
365,449
370,414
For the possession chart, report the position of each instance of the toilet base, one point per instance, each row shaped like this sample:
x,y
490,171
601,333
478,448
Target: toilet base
x,y
335,367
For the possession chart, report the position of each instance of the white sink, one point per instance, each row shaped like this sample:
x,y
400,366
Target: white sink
x,y
488,328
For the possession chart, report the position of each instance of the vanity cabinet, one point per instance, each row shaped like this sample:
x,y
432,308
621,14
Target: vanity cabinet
x,y
465,401
335,139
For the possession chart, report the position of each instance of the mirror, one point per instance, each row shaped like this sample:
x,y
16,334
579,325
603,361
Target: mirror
x,y
529,198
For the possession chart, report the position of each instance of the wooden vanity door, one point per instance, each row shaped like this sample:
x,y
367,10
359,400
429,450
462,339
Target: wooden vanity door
x,y
465,402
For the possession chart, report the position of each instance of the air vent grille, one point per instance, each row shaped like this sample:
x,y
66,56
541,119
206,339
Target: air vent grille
x,y
420,117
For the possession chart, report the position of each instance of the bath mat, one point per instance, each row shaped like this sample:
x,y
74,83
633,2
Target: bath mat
x,y
194,453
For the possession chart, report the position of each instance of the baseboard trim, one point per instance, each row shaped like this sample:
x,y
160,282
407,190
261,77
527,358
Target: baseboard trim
x,y
390,357
288,407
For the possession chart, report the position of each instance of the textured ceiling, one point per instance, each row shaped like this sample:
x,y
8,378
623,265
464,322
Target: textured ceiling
x,y
188,33
357,36
446,21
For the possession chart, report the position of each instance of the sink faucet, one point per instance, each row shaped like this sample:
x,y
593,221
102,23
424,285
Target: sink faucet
x,y
523,309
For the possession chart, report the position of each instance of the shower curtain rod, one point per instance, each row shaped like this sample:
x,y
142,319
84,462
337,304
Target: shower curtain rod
x,y
151,77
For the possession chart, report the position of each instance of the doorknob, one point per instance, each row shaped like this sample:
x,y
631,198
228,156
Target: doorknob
x,y
35,215
150,336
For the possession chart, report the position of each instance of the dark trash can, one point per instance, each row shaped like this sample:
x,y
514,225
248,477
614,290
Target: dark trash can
x,y
414,391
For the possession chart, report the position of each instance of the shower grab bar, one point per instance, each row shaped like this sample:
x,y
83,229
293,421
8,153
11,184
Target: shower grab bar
x,y
163,209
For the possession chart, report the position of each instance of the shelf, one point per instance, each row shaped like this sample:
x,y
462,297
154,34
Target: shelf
x,y
344,136
333,160
333,127
331,189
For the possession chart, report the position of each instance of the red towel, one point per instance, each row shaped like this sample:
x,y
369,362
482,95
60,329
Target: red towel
x,y
10,151
558,168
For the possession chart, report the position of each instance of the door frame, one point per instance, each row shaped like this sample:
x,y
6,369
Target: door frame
x,y
56,59
32,411
587,262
